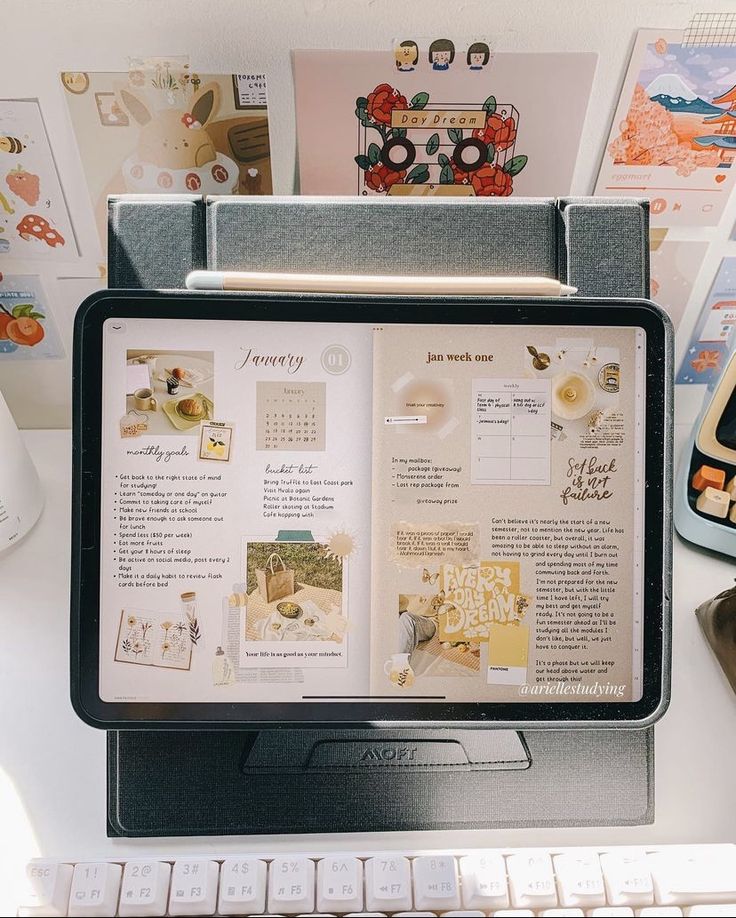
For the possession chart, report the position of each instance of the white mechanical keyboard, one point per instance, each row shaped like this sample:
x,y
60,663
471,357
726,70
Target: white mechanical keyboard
x,y
667,881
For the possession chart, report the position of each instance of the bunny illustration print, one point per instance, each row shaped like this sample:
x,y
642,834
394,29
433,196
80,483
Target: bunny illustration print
x,y
175,150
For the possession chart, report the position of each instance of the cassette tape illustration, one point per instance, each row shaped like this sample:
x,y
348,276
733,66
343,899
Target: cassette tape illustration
x,y
424,147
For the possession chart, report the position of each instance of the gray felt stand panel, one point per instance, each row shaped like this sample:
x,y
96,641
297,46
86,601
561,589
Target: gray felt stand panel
x,y
234,782
154,241
347,235
604,248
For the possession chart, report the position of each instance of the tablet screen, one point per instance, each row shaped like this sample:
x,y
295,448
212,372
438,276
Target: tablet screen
x,y
318,512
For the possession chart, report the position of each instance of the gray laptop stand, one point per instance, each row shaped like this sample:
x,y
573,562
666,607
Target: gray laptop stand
x,y
298,780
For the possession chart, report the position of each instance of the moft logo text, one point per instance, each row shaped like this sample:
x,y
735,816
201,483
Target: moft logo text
x,y
389,754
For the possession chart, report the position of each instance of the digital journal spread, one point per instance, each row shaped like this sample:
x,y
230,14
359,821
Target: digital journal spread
x,y
321,511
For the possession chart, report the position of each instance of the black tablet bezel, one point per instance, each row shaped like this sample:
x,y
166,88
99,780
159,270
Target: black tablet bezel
x,y
374,309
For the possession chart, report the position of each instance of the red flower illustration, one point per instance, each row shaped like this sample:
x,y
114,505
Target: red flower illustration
x,y
382,101
501,132
488,181
461,176
381,178
706,360
492,181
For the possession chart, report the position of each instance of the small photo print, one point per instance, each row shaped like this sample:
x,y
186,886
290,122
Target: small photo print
x,y
422,644
294,592
172,391
215,441
108,110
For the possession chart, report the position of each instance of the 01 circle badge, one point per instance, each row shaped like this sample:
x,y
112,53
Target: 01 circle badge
x,y
336,359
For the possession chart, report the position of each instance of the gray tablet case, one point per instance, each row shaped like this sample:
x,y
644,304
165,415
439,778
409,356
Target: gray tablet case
x,y
290,781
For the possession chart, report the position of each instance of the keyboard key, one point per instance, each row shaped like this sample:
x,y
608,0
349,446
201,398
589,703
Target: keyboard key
x,y
94,890
339,884
242,886
291,885
711,911
693,878
611,911
435,883
145,888
514,913
388,883
627,878
194,887
484,881
660,911
47,892
579,880
531,881
463,914
562,913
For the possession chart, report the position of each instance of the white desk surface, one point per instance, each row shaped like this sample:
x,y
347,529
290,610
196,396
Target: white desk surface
x,y
52,766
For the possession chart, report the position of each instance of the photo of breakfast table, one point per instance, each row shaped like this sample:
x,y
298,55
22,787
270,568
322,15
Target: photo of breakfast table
x,y
165,411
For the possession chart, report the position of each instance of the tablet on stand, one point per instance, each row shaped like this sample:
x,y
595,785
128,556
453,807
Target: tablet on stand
x,y
354,512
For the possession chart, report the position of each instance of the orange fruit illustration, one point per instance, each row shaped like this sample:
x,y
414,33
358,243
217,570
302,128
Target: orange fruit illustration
x,y
24,331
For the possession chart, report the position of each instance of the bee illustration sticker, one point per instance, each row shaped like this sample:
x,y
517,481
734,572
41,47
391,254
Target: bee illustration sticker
x,y
215,441
11,144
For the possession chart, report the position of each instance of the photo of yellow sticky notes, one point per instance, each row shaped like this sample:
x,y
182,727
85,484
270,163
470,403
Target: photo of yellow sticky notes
x,y
508,654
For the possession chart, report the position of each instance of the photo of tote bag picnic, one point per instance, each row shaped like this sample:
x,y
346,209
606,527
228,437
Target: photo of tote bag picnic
x,y
275,580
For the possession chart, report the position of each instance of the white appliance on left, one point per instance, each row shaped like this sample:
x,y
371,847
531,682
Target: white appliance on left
x,y
21,496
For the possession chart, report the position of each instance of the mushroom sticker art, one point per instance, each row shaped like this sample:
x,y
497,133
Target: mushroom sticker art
x,y
34,220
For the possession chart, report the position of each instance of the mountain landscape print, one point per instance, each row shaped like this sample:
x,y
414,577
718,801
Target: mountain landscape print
x,y
682,112
672,92
673,135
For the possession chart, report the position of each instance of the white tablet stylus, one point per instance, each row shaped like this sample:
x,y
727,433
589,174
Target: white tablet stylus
x,y
375,283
